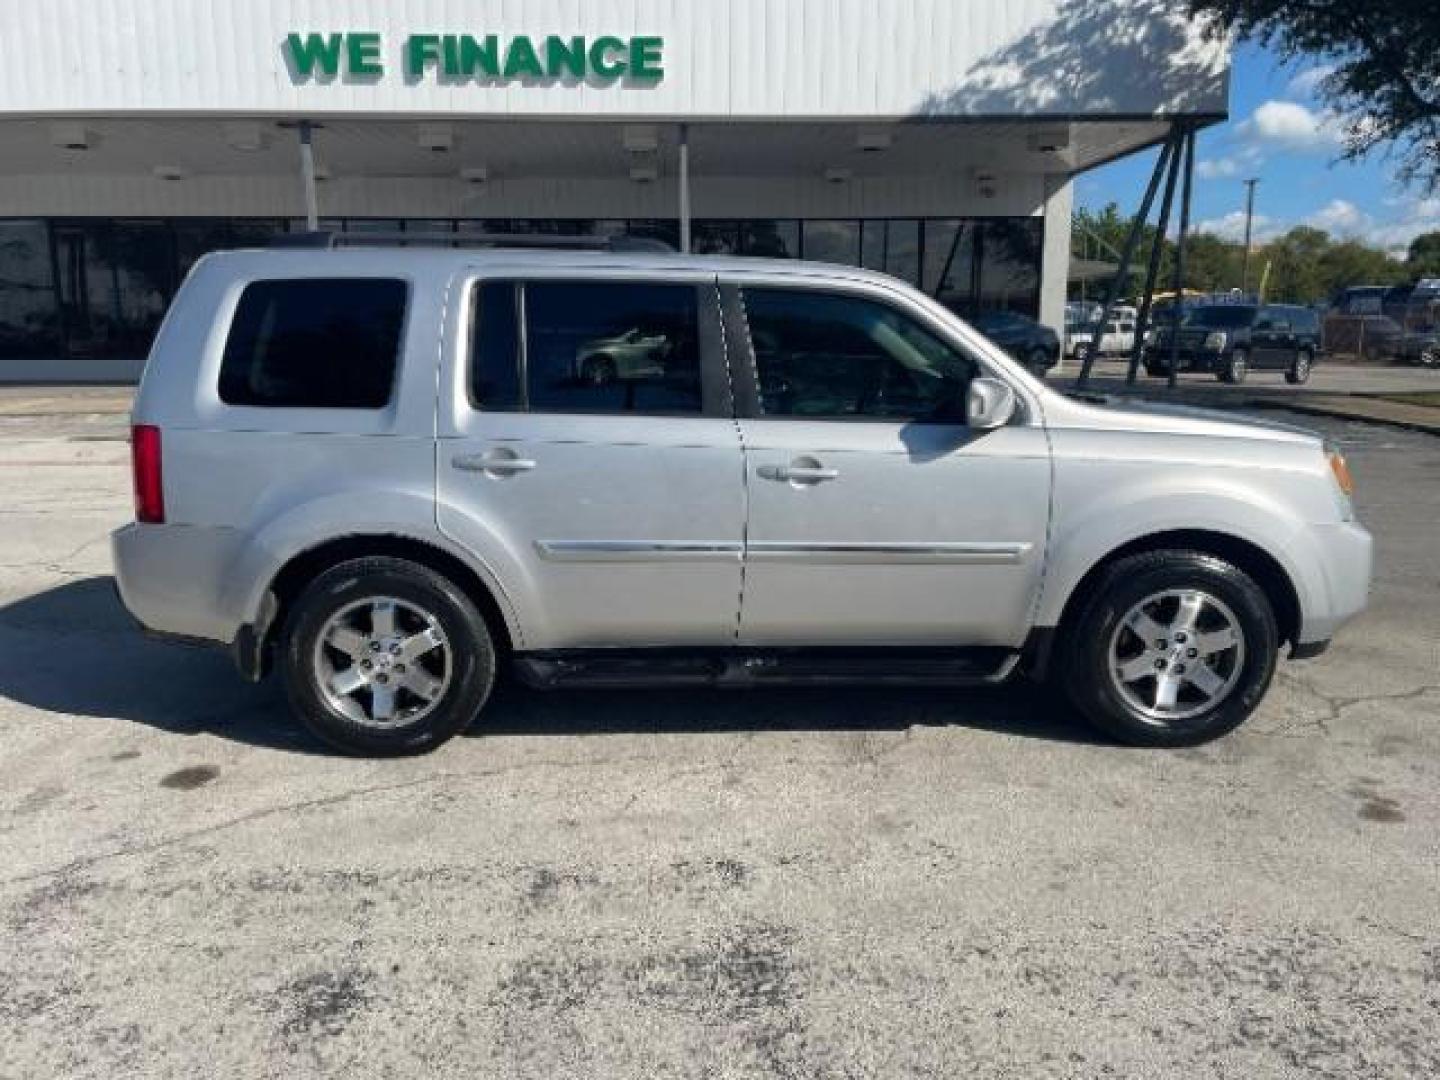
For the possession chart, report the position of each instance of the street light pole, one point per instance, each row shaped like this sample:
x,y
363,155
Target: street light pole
x,y
1249,218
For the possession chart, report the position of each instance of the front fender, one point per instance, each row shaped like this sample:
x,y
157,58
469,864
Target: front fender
x,y
1127,513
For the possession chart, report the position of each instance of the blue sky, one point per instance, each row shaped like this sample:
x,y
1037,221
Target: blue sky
x,y
1278,131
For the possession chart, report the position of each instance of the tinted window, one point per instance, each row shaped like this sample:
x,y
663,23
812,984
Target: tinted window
x,y
1223,316
612,347
495,348
830,355
314,343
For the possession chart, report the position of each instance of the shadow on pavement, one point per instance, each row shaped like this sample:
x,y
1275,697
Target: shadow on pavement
x,y
74,649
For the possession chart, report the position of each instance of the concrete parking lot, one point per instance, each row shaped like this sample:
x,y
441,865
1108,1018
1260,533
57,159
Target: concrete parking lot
x,y
796,884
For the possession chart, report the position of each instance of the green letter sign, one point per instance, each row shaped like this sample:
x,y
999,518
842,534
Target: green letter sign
x,y
489,57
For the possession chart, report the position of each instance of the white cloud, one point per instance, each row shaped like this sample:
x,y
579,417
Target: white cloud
x,y
1305,83
1240,161
1217,168
1232,227
1341,217
1344,219
1287,125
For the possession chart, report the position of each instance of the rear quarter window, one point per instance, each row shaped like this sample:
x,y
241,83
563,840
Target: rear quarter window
x,y
326,343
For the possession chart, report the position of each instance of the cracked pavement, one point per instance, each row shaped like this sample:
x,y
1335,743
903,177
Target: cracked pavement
x,y
760,884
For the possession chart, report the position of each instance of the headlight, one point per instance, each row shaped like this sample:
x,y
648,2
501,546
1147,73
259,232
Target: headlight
x,y
1216,339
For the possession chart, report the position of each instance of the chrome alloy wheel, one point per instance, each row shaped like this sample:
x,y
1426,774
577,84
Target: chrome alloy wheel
x,y
383,662
1176,654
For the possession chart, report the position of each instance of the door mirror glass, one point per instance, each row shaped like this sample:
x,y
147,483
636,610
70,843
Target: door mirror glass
x,y
989,404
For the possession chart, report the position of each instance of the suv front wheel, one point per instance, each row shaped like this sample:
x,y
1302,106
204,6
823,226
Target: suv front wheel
x,y
1299,371
1235,367
382,657
1174,648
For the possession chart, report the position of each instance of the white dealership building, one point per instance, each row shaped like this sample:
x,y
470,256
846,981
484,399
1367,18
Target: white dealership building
x,y
935,139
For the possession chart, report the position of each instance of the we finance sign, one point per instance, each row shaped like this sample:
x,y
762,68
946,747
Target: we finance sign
x,y
488,58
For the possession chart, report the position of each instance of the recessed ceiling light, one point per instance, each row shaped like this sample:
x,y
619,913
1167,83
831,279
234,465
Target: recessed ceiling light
x,y
244,135
70,136
475,174
644,174
837,175
439,138
873,139
640,139
169,172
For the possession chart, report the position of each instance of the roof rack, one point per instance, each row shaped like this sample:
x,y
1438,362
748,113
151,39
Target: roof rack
x,y
329,240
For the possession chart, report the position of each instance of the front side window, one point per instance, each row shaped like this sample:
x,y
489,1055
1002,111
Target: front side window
x,y
830,355
320,343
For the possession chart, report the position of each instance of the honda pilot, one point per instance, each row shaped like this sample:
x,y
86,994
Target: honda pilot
x,y
391,474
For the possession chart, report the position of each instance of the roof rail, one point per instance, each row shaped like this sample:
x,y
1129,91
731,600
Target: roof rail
x,y
328,240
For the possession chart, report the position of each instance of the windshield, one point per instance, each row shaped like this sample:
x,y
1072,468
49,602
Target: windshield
x,y
1219,316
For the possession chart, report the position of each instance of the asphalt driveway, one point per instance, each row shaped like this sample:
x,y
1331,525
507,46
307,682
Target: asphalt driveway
x,y
786,884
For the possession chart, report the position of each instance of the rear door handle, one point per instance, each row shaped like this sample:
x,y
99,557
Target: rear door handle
x,y
499,463
798,474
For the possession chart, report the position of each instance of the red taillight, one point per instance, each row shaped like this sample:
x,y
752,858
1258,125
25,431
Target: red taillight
x,y
145,467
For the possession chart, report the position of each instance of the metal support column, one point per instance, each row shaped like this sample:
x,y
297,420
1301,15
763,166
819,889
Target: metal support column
x,y
685,188
1152,271
1180,256
307,175
1112,291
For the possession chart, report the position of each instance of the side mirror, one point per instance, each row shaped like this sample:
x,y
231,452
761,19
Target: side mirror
x,y
989,404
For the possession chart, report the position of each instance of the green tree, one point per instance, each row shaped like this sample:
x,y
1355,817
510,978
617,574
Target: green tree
x,y
1385,82
1423,260
1294,265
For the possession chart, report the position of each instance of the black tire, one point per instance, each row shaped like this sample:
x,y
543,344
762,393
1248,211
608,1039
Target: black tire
x,y
471,655
1299,371
1084,666
1430,356
1234,368
1038,360
1156,371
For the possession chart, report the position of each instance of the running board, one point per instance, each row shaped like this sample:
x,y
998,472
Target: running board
x,y
765,667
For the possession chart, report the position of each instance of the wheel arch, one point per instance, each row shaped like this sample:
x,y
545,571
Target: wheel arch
x,y
1259,564
304,566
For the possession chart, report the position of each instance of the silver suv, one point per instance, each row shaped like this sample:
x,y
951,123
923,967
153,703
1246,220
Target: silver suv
x,y
389,472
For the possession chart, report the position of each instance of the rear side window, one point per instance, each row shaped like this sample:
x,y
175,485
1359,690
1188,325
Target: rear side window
x,y
587,347
318,343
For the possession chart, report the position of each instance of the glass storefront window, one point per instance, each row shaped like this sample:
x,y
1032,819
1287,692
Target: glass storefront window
x,y
872,244
770,239
831,241
715,237
950,262
902,249
29,319
99,287
1009,277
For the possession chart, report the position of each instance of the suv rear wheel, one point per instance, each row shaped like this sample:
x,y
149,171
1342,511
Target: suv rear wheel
x,y
383,657
1173,648
1299,371
1235,367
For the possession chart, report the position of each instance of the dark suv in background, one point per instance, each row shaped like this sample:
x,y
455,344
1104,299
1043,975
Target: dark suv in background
x,y
1034,345
1231,340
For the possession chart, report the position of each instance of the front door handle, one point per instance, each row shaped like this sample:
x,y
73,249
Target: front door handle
x,y
801,471
495,462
